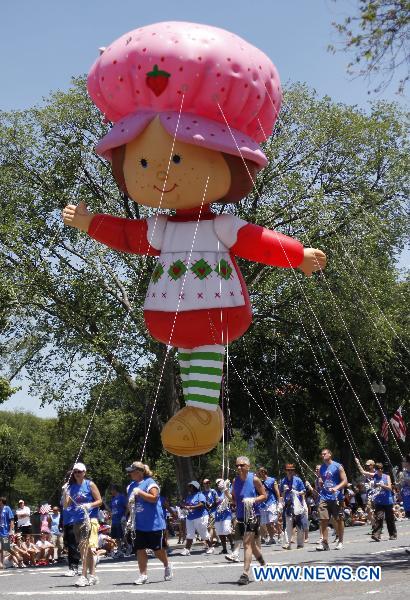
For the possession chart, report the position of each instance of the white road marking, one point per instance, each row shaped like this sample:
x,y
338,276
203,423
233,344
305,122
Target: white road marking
x,y
146,590
374,592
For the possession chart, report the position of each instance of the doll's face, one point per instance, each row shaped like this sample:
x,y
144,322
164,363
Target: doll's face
x,y
195,174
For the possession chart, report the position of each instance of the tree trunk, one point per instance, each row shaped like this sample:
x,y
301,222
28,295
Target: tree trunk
x,y
183,465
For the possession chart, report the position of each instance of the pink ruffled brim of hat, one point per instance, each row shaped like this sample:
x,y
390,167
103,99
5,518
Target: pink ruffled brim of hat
x,y
187,128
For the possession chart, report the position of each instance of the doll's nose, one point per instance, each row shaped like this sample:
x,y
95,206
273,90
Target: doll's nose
x,y
161,175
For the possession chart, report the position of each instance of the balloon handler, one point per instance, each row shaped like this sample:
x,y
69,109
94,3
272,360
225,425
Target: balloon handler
x,y
189,104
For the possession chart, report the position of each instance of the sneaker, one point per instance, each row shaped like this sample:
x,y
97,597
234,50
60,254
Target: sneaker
x,y
209,551
82,582
339,546
141,580
272,541
322,546
287,547
393,537
168,573
70,573
223,551
93,580
375,538
232,557
243,579
299,546
185,552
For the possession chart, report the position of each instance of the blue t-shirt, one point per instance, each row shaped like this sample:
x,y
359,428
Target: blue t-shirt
x,y
211,498
118,506
294,483
80,494
148,515
55,523
244,489
382,496
269,487
192,500
222,515
405,490
6,516
330,475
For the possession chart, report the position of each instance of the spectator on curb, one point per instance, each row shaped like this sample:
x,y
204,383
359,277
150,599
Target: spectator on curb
x,y
56,531
23,513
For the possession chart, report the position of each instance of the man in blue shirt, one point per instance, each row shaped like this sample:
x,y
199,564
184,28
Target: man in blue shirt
x,y
247,494
118,508
332,479
6,528
292,491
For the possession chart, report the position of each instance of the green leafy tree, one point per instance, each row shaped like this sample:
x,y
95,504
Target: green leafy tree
x,y
378,36
10,452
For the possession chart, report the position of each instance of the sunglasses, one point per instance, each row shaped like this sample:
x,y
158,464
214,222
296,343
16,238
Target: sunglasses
x,y
242,465
77,472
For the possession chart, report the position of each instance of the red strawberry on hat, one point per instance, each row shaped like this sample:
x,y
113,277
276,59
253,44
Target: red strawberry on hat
x,y
157,80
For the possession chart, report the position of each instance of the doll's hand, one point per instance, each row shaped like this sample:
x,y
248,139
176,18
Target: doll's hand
x,y
77,216
313,260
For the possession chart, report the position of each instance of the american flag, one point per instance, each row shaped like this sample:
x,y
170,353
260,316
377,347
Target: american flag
x,y
398,425
45,509
385,430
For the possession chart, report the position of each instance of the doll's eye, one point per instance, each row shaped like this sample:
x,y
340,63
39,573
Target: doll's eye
x,y
176,159
144,163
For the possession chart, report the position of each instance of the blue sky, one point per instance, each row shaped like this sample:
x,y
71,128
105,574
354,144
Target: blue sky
x,y
44,43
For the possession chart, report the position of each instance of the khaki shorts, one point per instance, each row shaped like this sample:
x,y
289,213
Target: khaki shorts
x,y
330,508
57,540
84,534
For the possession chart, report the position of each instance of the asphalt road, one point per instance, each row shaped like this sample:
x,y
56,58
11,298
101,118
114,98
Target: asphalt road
x,y
212,576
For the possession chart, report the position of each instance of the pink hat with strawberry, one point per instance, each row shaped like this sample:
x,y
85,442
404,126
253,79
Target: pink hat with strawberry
x,y
209,88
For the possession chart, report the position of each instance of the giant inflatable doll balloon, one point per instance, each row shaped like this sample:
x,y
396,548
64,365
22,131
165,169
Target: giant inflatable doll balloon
x,y
189,106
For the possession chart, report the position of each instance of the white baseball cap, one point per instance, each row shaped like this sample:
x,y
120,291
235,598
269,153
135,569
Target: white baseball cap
x,y
79,467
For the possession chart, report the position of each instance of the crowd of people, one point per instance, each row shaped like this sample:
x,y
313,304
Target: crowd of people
x,y
252,510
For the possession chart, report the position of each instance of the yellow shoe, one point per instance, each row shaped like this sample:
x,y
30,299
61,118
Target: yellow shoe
x,y
193,431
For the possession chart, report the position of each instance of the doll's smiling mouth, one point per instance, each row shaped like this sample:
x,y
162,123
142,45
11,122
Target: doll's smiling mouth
x,y
166,191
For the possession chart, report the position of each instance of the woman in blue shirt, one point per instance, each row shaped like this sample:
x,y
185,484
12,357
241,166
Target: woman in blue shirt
x,y
147,519
383,504
197,518
81,501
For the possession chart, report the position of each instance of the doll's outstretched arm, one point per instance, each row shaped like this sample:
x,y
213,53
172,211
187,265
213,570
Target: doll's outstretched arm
x,y
259,244
126,235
